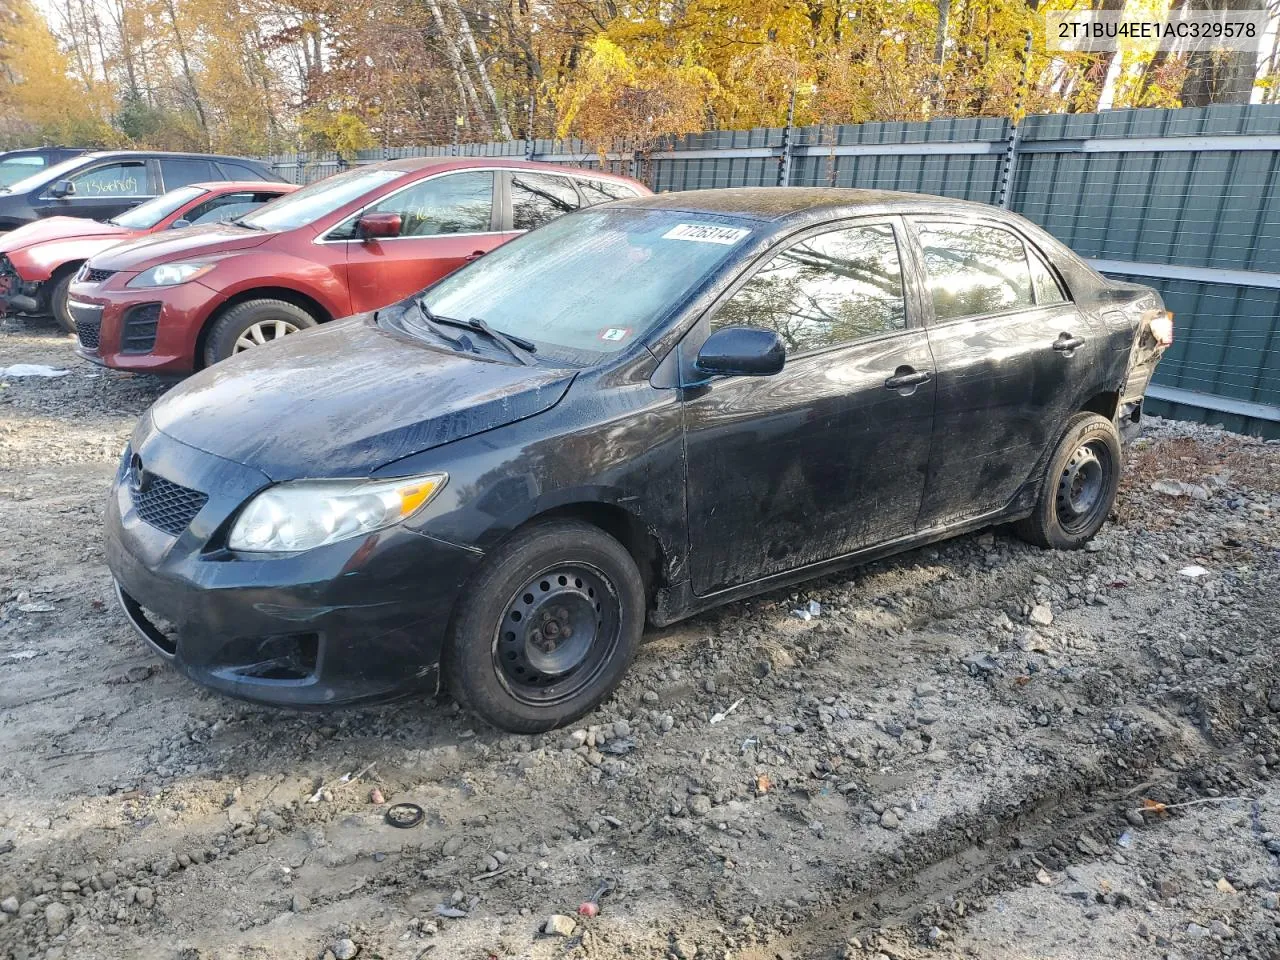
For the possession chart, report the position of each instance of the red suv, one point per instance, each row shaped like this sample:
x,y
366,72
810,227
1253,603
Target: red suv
x,y
352,243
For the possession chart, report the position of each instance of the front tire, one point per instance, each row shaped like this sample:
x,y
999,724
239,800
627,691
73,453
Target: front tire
x,y
252,324
547,628
1079,487
58,294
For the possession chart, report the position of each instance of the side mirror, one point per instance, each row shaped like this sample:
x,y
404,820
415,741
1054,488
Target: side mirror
x,y
62,188
179,224
376,225
742,352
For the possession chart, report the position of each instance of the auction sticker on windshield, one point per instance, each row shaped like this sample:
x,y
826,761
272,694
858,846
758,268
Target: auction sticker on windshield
x,y
705,233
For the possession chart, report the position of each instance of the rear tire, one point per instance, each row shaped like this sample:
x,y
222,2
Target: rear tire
x,y
252,323
1079,486
547,628
58,294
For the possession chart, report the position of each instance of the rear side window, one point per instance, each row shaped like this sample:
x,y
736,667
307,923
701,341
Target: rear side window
x,y
602,191
974,270
829,289
537,198
1047,289
239,171
181,171
113,180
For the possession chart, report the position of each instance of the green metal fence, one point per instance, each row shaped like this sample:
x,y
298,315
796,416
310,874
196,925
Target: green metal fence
x,y
1187,201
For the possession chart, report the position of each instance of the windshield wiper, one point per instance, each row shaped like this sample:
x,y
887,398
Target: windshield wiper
x,y
520,348
436,324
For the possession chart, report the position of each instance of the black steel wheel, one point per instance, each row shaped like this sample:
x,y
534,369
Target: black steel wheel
x,y
1079,486
558,630
547,628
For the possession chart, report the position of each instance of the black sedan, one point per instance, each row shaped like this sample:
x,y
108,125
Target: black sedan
x,y
638,411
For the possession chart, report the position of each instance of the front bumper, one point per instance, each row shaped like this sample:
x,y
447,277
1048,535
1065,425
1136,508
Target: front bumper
x,y
145,330
356,621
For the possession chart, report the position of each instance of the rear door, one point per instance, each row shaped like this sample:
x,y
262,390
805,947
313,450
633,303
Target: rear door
x,y
446,220
828,456
1012,352
182,171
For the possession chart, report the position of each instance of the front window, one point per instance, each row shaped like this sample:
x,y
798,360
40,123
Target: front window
x,y
829,289
319,199
455,203
587,286
146,215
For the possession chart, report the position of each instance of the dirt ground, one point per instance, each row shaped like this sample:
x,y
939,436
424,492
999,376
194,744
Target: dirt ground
x,y
975,750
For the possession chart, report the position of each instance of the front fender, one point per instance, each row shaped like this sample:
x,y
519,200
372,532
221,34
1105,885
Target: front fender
x,y
266,270
41,261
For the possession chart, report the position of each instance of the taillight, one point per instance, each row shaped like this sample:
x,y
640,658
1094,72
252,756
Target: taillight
x,y
1161,327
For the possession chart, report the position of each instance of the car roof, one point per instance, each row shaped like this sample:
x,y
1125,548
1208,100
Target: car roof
x,y
231,186
772,204
162,154
416,164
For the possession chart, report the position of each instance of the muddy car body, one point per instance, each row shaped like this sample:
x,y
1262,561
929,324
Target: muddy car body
x,y
731,391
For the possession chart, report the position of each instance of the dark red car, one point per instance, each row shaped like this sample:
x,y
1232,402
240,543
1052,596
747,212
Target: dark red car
x,y
39,259
355,242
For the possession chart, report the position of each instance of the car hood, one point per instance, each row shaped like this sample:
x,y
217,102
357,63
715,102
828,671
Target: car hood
x,y
167,246
347,398
58,228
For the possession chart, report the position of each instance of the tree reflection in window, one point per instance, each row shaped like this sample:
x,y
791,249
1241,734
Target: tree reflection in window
x,y
974,270
829,289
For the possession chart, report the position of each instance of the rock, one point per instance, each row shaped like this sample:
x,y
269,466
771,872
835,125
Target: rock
x,y
977,749
344,949
889,820
1197,932
1041,615
146,897
700,805
300,903
621,728
451,847
1220,929
28,909
57,916
9,905
558,925
685,950
650,696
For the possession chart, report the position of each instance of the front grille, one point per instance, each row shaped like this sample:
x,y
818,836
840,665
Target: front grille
x,y
95,275
166,505
140,324
87,330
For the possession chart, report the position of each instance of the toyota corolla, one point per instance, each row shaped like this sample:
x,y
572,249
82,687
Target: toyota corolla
x,y
634,412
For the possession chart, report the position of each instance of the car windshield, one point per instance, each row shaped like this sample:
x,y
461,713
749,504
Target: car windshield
x,y
147,215
13,169
320,198
58,171
588,285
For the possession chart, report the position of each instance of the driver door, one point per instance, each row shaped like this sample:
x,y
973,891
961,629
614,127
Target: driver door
x,y
830,455
445,222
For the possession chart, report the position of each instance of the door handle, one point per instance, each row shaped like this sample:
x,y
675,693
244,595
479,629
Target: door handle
x,y
475,255
1067,343
907,379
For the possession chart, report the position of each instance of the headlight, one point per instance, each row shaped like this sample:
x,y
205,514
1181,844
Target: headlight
x,y
169,274
310,513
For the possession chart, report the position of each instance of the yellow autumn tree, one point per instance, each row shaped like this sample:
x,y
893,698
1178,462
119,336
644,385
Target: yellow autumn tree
x,y
610,97
39,102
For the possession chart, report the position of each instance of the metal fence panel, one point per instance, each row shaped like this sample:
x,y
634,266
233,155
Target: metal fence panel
x,y
1187,201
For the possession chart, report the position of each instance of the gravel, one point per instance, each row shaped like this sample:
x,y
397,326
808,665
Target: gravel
x,y
942,762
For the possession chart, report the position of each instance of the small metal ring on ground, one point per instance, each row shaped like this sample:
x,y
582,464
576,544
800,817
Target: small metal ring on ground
x,y
405,815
